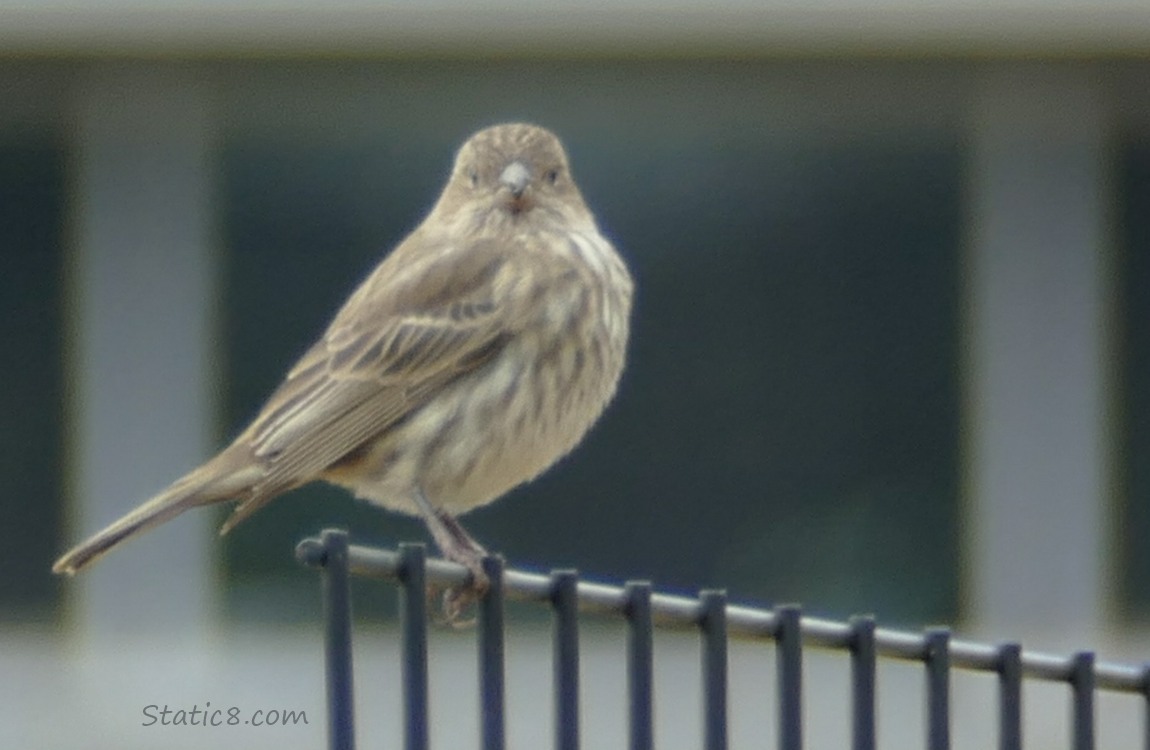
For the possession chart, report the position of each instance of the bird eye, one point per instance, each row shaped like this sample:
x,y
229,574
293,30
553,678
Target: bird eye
x,y
552,176
473,175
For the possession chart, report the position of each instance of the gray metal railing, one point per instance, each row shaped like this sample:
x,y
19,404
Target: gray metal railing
x,y
714,618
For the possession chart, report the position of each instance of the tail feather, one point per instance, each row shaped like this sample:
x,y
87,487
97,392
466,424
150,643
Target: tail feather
x,y
204,486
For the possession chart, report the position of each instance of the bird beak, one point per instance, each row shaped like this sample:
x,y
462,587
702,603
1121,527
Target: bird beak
x,y
516,177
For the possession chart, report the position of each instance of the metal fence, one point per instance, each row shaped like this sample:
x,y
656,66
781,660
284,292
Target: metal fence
x,y
715,619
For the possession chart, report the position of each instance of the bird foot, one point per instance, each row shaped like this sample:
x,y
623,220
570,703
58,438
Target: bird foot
x,y
459,600
460,547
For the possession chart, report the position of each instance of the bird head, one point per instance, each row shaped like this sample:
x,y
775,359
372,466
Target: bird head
x,y
509,173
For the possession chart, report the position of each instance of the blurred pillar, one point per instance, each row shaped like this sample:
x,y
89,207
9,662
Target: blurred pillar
x,y
1038,355
143,288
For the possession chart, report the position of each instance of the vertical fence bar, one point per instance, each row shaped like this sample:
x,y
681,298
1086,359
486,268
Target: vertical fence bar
x,y
938,689
713,623
640,665
565,602
1010,696
789,673
1082,684
337,640
491,658
413,625
862,683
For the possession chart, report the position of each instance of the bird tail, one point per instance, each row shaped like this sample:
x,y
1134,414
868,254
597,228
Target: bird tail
x,y
211,483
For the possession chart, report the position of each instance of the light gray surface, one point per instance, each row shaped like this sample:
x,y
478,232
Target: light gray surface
x,y
142,281
772,27
97,702
1038,363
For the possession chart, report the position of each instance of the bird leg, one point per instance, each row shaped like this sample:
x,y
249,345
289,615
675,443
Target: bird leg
x,y
457,545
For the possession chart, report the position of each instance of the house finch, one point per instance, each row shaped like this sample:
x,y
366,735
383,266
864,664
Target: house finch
x,y
477,354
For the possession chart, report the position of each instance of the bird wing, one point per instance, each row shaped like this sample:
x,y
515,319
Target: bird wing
x,y
394,345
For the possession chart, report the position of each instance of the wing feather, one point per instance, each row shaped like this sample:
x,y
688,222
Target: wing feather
x,y
388,351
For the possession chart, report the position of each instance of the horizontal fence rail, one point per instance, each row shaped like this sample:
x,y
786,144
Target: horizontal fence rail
x,y
714,618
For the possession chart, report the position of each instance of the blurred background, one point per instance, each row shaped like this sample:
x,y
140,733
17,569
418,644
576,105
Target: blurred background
x,y
891,345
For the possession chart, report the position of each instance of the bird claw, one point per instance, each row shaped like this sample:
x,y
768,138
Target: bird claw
x,y
457,600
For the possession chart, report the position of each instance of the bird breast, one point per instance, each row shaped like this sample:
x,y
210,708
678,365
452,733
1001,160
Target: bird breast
x,y
507,422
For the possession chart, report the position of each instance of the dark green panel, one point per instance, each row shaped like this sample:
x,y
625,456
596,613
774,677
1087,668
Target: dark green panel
x,y
303,222
788,424
31,391
1134,343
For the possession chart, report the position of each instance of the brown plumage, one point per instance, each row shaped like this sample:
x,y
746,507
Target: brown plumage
x,y
477,354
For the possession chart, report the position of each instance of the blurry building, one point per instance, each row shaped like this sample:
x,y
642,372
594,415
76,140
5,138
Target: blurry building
x,y
892,339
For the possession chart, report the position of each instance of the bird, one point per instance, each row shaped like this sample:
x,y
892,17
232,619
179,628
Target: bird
x,y
476,354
